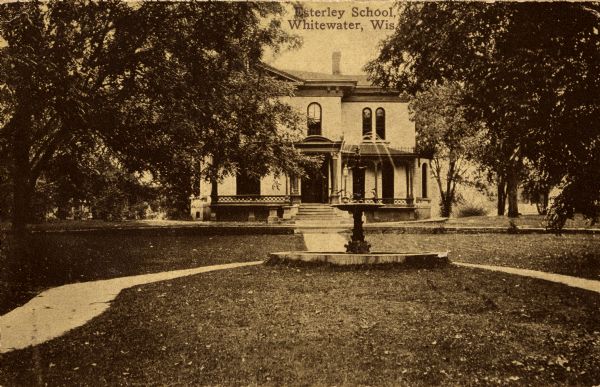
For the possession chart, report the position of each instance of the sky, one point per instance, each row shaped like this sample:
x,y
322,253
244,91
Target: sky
x,y
358,45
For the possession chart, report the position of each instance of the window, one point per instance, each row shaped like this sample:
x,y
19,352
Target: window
x,y
313,118
380,123
367,121
424,180
247,185
358,184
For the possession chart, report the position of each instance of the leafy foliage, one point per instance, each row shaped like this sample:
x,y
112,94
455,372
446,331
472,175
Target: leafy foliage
x,y
534,85
471,210
444,132
162,86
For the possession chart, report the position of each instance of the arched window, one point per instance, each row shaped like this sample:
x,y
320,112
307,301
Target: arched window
x,y
424,178
380,123
313,118
367,121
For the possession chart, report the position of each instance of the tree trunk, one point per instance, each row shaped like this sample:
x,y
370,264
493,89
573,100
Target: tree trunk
x,y
512,185
447,196
445,206
19,265
501,196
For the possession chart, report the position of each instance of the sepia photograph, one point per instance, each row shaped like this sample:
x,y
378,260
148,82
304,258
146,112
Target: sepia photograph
x,y
329,193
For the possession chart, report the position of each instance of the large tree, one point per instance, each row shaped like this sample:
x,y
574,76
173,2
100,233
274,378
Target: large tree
x,y
443,131
531,74
161,85
204,87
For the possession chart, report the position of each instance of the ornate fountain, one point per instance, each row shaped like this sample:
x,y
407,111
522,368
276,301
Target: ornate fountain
x,y
357,243
358,250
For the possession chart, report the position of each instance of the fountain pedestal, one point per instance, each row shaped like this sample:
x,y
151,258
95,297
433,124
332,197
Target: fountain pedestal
x,y
357,243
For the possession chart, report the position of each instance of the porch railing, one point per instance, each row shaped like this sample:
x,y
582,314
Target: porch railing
x,y
423,201
409,202
258,199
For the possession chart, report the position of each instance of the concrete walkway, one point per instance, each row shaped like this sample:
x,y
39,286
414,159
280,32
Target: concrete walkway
x,y
568,280
325,241
335,242
58,310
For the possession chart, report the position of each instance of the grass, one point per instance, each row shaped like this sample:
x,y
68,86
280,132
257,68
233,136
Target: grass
x,y
521,221
576,255
290,326
73,257
96,224
67,258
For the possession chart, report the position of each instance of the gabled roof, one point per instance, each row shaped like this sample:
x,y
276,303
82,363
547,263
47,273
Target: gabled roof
x,y
314,77
283,74
361,80
356,88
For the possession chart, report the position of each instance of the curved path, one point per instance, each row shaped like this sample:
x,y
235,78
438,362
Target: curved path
x,y
58,310
568,280
335,242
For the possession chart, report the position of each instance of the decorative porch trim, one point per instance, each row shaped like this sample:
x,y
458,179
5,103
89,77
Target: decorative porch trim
x,y
399,202
253,199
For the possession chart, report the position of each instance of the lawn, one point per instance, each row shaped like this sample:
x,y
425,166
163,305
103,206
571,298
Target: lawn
x,y
577,255
316,325
524,221
63,258
76,257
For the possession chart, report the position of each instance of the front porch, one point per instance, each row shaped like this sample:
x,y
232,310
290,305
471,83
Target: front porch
x,y
284,208
367,172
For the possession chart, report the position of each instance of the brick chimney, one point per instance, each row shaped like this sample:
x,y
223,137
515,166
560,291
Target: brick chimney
x,y
335,63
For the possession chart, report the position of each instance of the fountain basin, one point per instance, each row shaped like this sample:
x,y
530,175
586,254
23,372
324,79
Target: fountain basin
x,y
419,259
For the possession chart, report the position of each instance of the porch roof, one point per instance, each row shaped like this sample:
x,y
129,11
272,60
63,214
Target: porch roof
x,y
377,149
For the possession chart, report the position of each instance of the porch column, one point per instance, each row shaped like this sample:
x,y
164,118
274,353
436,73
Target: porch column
x,y
295,189
411,167
407,175
416,163
335,173
214,198
376,173
345,175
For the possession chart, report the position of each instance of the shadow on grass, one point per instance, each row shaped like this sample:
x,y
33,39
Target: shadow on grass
x,y
58,259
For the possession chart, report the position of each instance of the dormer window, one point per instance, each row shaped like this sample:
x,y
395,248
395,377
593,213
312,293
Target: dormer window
x,y
380,123
367,121
313,119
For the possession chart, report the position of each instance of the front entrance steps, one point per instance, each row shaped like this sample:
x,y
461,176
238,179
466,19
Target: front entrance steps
x,y
316,214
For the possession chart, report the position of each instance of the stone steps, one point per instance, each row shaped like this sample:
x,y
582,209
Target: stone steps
x,y
320,214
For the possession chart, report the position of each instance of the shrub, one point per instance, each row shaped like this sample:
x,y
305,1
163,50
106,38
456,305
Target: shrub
x,y
512,227
472,210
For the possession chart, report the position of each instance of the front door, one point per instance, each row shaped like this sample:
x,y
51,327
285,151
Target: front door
x,y
387,183
315,185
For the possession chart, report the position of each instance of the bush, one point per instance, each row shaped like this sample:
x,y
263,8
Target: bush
x,y
512,227
472,210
